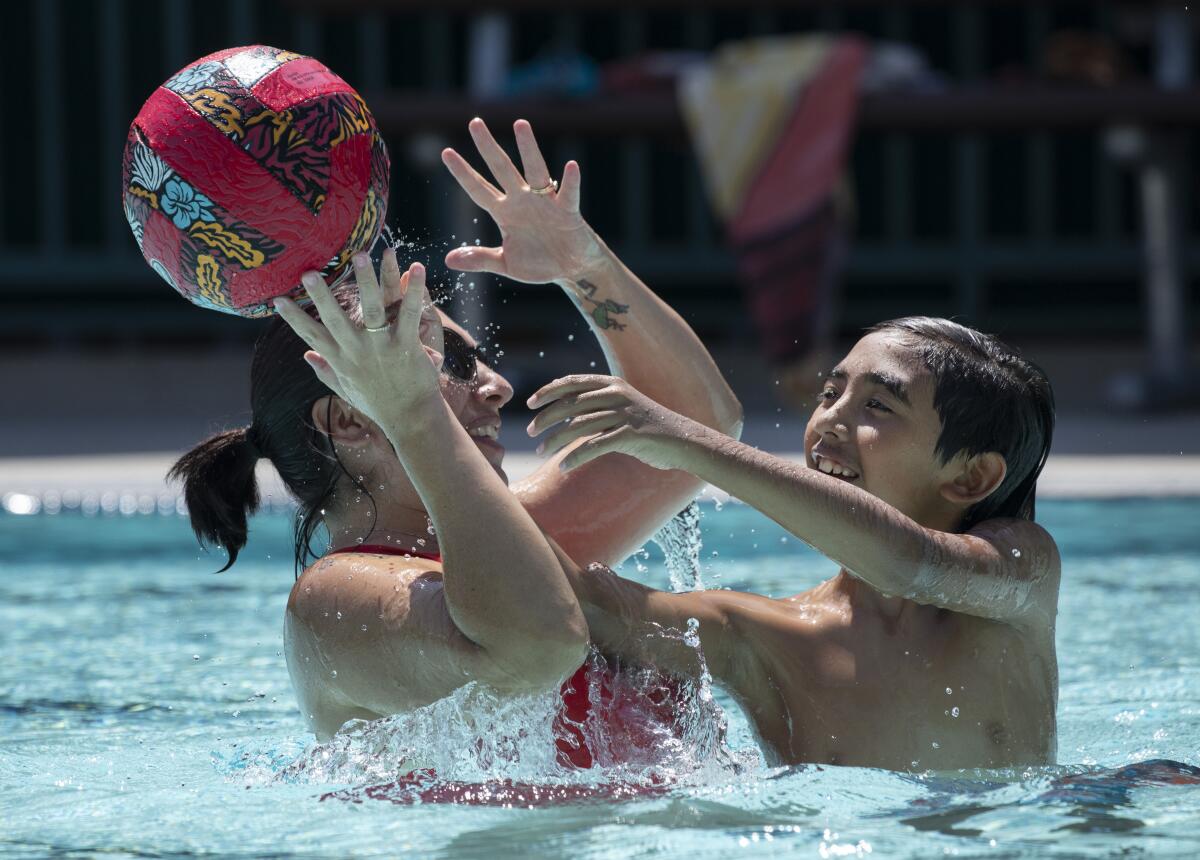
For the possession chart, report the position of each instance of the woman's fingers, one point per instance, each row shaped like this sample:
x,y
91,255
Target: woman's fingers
x,y
584,425
332,315
370,294
572,405
391,276
325,373
482,193
573,384
475,259
568,190
411,309
308,329
537,175
497,159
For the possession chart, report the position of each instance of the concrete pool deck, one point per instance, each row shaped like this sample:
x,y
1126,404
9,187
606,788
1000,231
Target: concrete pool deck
x,y
130,476
113,422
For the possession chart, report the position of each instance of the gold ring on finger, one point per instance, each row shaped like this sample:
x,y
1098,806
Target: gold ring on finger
x,y
552,185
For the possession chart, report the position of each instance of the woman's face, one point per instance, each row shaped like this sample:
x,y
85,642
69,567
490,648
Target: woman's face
x,y
476,404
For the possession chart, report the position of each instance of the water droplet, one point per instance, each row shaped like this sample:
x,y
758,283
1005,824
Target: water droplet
x,y
333,673
541,354
936,745
1016,553
339,618
954,712
570,337
363,628
949,691
195,656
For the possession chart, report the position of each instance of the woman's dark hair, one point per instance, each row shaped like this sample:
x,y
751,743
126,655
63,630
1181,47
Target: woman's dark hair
x,y
218,474
989,399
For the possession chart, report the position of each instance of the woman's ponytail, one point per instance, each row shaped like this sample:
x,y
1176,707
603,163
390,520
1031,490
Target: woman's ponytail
x,y
220,489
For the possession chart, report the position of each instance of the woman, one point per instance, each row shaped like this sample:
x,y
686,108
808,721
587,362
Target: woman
x,y
393,457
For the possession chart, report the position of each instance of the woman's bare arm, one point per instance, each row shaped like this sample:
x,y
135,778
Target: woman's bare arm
x,y
504,589
607,510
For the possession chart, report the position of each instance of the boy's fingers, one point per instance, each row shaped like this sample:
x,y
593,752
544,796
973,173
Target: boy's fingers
x,y
477,260
497,159
332,315
568,189
482,193
584,425
570,406
537,175
308,329
588,451
567,385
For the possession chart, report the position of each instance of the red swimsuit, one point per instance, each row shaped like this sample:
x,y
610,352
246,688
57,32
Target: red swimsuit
x,y
630,715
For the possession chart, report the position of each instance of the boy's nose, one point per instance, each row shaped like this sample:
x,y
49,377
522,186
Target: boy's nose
x,y
831,422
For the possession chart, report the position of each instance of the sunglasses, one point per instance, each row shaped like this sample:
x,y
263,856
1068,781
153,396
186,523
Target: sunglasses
x,y
458,359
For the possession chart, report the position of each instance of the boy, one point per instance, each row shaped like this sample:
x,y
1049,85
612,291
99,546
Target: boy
x,y
933,646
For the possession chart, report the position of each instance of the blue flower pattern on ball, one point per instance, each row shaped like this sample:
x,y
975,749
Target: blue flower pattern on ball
x,y
194,77
185,204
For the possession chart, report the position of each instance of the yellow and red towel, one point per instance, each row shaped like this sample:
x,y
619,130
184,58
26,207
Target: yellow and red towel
x,y
771,121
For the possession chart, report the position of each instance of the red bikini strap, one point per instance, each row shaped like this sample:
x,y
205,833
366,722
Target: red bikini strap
x,y
384,549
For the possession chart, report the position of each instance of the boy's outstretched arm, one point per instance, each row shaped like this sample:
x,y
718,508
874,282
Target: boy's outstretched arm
x,y
1006,570
606,510
645,626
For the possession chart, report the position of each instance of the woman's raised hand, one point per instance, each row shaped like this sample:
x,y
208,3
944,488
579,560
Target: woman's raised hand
x,y
384,368
615,417
543,236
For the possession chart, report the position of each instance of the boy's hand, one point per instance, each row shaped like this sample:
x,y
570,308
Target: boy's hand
x,y
618,417
543,236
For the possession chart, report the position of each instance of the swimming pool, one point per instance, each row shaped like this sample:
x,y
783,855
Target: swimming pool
x,y
145,710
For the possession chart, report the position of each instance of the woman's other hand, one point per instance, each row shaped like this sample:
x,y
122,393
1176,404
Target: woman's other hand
x,y
615,416
543,236
383,368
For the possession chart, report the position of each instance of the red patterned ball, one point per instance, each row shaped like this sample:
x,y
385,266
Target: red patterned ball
x,y
248,168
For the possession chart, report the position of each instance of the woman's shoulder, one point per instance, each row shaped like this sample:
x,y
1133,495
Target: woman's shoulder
x,y
340,585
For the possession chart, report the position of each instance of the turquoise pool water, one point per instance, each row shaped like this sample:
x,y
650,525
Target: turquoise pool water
x,y
145,710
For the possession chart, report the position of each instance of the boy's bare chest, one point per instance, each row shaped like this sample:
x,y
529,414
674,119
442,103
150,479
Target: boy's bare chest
x,y
951,691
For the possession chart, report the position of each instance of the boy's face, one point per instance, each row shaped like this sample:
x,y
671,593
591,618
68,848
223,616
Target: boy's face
x,y
875,422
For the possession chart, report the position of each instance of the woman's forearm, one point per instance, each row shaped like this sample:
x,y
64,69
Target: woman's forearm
x,y
503,584
650,345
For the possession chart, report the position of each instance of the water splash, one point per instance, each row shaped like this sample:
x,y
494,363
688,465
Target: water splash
x,y
681,545
643,727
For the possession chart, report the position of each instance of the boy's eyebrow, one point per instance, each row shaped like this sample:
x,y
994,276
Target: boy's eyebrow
x,y
892,383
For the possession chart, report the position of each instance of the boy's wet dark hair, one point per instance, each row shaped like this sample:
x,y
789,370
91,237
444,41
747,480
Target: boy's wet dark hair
x,y
989,399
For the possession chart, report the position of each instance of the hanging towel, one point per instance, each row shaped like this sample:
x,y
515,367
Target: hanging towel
x,y
771,121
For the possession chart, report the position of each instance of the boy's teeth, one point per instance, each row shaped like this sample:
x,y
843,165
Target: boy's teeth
x,y
831,468
489,432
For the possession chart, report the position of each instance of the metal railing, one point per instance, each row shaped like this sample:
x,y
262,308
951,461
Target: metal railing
x,y
983,223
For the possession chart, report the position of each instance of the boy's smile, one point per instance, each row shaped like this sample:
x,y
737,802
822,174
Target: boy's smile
x,y
875,427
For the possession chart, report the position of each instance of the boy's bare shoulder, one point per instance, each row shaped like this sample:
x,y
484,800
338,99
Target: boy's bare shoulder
x,y
1025,546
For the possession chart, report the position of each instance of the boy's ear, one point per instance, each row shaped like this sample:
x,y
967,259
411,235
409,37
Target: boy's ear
x,y
977,479
341,422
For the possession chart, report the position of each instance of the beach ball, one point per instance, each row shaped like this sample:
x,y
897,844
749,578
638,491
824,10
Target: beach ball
x,y
248,168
